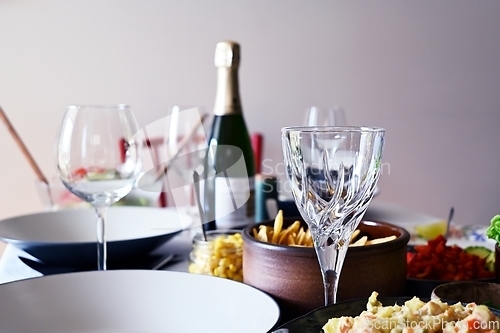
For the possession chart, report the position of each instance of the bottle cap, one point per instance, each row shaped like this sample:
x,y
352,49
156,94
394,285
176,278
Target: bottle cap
x,y
227,54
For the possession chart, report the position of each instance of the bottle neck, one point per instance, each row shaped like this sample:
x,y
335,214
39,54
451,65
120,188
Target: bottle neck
x,y
227,98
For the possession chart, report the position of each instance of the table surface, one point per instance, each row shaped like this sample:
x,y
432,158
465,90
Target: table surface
x,y
13,269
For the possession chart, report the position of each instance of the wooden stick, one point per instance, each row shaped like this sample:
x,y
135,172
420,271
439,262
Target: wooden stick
x,y
23,148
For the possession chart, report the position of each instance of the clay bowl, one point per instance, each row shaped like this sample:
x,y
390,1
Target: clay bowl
x,y
423,288
467,292
291,275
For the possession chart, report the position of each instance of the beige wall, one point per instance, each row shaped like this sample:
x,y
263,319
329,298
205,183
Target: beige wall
x,y
428,71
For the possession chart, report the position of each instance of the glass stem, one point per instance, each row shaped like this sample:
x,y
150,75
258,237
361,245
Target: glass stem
x,y
101,237
331,258
330,281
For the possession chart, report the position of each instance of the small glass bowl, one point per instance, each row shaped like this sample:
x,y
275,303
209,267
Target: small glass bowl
x,y
220,255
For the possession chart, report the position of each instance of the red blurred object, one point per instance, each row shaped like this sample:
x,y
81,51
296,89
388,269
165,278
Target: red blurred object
x,y
123,149
153,148
438,261
257,146
80,173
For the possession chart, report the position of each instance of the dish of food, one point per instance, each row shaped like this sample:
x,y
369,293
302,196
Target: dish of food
x,y
391,313
314,321
486,293
297,234
291,274
417,315
441,261
128,301
67,237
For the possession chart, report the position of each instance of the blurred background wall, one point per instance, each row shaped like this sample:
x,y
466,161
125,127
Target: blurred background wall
x,y
428,71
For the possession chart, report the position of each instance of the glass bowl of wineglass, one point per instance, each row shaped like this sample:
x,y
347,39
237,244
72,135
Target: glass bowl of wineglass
x,y
98,158
325,116
333,172
186,145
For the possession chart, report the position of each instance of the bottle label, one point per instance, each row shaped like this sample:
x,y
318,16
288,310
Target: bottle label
x,y
234,202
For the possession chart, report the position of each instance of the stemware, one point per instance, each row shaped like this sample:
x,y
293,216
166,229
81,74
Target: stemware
x,y
333,172
98,157
325,116
186,148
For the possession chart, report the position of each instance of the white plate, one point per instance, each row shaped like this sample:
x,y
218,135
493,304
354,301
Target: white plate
x,y
134,301
68,237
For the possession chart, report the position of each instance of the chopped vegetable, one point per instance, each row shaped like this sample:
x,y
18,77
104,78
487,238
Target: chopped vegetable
x,y
490,261
438,261
80,173
485,253
479,251
493,230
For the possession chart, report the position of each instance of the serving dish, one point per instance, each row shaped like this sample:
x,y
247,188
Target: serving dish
x,y
134,301
424,287
486,293
67,237
313,321
291,274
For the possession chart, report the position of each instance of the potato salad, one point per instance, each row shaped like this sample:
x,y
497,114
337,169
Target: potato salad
x,y
416,316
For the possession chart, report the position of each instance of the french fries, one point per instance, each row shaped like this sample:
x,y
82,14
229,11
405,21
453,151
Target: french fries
x,y
297,235
294,235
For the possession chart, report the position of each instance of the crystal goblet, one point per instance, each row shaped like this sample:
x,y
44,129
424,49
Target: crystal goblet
x,y
333,172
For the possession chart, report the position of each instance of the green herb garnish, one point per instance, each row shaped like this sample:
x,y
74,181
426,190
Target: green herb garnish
x,y
493,230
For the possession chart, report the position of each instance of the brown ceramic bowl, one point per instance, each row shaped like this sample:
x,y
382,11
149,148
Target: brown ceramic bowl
x,y
467,292
291,275
423,287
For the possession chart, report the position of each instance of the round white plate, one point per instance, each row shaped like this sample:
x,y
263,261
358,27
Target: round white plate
x,y
68,237
134,301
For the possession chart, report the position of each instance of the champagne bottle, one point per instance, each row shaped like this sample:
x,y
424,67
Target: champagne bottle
x,y
231,191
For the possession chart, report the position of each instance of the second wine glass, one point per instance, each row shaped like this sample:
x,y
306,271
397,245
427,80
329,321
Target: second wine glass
x,y
98,157
325,116
186,147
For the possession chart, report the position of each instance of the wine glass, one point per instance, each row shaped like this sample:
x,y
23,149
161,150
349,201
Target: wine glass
x,y
186,148
333,172
98,157
325,116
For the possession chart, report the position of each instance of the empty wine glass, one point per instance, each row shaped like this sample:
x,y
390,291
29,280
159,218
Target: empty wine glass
x,y
98,158
333,172
186,148
325,116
